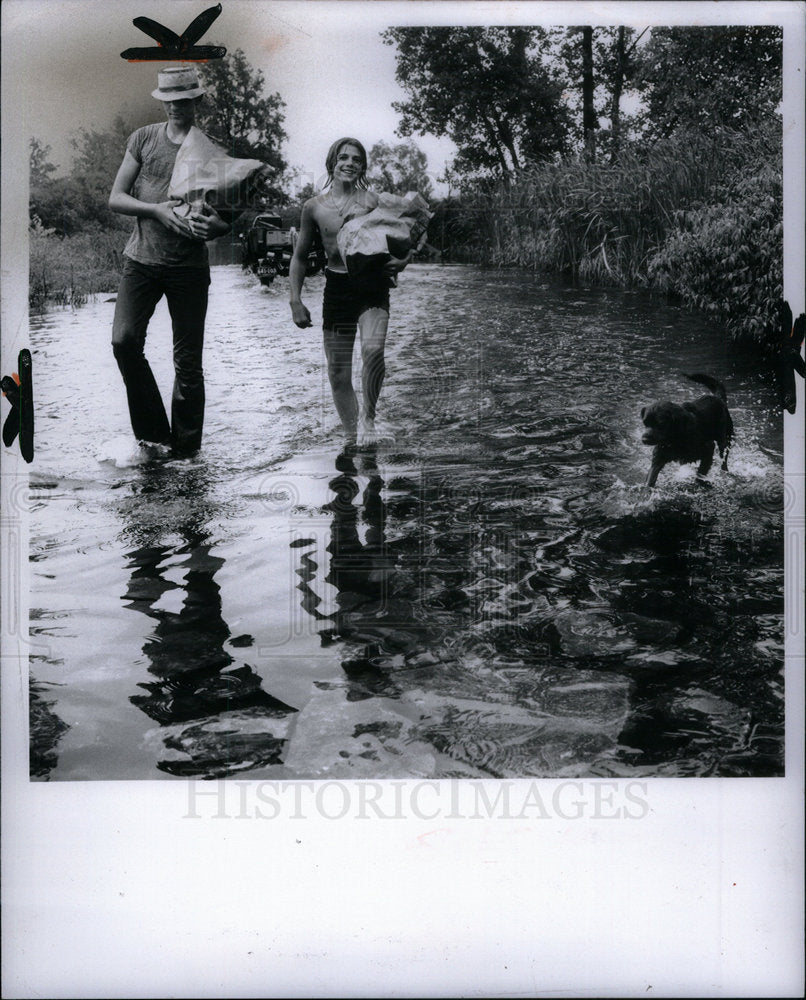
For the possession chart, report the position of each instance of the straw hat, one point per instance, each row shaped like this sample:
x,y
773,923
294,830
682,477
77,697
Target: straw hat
x,y
178,83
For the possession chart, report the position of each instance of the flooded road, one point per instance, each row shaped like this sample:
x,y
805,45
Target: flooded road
x,y
491,593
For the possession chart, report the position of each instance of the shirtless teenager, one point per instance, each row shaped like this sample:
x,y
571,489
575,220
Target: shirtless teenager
x,y
349,303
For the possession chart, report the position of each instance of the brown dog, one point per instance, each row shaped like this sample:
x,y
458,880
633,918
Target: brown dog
x,y
687,432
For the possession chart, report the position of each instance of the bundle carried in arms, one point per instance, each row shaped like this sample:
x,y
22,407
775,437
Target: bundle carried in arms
x,y
204,174
396,226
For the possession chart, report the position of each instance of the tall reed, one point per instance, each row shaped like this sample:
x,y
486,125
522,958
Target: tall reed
x,y
625,223
67,270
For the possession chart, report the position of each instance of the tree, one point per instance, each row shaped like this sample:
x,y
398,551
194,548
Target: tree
x,y
291,209
40,167
486,88
598,63
40,181
710,76
400,168
589,121
615,61
98,156
79,201
236,112
95,164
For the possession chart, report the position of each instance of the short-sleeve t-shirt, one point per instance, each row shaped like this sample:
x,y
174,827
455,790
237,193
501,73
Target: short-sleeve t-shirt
x,y
151,242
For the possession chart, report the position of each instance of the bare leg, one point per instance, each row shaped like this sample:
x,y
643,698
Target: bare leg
x,y
373,324
339,355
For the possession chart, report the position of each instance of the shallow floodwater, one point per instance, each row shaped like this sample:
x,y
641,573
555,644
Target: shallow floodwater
x,y
492,592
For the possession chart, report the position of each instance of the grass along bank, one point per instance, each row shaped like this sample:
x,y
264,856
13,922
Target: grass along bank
x,y
698,217
67,270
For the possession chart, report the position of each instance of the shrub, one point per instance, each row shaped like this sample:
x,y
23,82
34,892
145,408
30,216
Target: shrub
x,y
726,259
698,216
66,270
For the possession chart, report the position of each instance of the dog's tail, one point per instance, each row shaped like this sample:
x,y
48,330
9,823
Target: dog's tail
x,y
713,385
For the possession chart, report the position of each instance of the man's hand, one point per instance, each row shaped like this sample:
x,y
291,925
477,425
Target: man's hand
x,y
396,264
164,213
300,315
206,224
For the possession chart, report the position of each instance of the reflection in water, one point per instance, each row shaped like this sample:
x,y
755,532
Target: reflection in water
x,y
231,715
360,571
412,619
46,731
508,601
531,651
704,685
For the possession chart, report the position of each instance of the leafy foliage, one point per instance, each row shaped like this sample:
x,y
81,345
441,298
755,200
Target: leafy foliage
x,y
709,76
98,156
486,88
66,270
613,69
690,200
399,168
41,167
726,257
236,113
80,201
598,221
698,216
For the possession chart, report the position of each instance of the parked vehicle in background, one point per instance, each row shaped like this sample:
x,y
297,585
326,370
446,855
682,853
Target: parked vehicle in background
x,y
268,248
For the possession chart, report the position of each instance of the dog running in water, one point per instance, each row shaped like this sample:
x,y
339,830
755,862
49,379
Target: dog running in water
x,y
688,432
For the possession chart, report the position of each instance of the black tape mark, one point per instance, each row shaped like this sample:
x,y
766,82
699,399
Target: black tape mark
x,y
788,359
173,46
19,391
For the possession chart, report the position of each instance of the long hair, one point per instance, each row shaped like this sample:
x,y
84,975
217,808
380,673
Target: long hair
x,y
333,152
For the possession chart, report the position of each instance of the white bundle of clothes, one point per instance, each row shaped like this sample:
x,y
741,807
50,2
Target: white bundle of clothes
x,y
204,174
396,226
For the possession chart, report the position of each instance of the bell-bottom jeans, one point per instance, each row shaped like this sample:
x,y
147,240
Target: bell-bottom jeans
x,y
185,289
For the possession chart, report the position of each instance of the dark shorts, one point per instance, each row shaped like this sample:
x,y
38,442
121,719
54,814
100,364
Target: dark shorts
x,y
346,298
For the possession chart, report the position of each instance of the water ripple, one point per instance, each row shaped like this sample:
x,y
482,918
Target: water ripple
x,y
493,593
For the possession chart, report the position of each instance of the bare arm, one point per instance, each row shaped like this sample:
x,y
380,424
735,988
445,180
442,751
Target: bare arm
x,y
299,262
397,264
121,200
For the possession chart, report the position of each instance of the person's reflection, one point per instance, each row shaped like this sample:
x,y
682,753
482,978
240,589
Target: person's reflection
x,y
46,729
361,572
196,681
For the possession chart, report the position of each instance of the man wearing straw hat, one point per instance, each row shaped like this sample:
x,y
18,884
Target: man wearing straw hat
x,y
164,256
